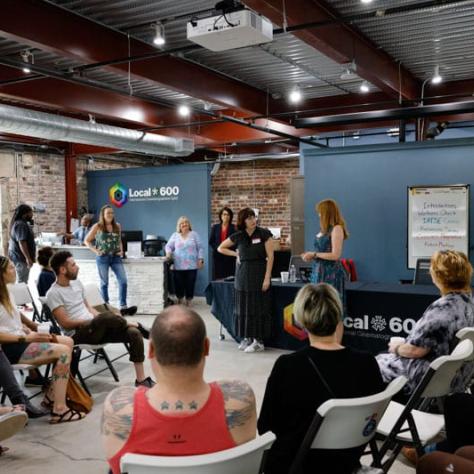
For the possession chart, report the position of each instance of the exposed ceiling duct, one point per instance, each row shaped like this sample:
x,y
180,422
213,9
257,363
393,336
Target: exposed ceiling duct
x,y
54,127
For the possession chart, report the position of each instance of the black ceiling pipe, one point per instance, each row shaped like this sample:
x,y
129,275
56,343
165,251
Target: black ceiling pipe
x,y
405,113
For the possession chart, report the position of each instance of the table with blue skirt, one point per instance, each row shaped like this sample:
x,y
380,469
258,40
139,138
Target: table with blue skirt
x,y
375,312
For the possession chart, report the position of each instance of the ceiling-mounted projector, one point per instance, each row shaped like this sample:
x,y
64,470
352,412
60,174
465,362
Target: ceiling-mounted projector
x,y
230,30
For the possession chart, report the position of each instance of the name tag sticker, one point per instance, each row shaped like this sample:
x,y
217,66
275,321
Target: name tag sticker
x,y
256,241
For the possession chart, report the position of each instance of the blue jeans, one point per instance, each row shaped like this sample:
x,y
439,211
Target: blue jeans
x,y
104,262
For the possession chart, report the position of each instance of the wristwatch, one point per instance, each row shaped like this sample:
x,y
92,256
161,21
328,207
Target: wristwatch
x,y
22,339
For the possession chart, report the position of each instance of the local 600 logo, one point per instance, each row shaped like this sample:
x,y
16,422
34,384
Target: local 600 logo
x,y
118,195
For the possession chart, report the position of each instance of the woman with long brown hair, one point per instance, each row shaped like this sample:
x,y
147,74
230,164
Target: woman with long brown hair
x,y
328,243
23,345
109,250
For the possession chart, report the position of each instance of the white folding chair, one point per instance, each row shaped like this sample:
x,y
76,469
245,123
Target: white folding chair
x,y
347,423
12,423
243,459
22,296
407,424
462,334
93,296
96,350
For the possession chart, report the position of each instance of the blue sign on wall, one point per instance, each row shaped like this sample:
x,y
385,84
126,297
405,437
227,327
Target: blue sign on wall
x,y
152,200
370,185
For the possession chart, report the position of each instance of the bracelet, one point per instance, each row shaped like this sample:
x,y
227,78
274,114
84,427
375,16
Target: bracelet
x,y
21,340
396,351
315,255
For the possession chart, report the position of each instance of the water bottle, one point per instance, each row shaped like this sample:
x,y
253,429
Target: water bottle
x,y
292,276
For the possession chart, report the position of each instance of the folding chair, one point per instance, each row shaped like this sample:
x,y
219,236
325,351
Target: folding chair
x,y
246,458
96,350
12,423
22,296
462,334
21,368
402,425
347,423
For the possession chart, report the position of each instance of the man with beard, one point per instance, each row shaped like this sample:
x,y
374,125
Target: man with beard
x,y
66,299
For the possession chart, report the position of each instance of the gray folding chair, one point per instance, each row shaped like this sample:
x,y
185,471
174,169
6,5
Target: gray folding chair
x,y
347,423
408,424
243,459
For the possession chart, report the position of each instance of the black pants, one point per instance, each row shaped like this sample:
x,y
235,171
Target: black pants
x,y
459,421
184,281
8,382
109,327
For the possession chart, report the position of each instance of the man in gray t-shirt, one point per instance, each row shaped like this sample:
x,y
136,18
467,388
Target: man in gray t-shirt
x,y
66,299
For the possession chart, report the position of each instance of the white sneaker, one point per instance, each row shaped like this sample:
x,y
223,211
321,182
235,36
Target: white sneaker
x,y
255,347
244,343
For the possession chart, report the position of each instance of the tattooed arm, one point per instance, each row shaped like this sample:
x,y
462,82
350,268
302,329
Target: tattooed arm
x,y
116,421
240,410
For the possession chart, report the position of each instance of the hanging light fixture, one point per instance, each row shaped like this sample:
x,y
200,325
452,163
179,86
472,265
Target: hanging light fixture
x,y
436,78
364,87
25,56
159,38
184,110
295,96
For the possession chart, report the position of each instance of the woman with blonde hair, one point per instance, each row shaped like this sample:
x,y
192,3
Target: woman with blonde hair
x,y
184,247
328,243
23,345
434,334
300,382
109,250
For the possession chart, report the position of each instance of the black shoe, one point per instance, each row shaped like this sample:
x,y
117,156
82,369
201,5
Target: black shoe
x,y
34,381
148,382
35,412
130,311
144,331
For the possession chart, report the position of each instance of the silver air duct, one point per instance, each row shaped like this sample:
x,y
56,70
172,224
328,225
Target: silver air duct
x,y
54,127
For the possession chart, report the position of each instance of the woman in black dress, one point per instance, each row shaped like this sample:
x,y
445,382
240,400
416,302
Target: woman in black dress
x,y
223,265
254,250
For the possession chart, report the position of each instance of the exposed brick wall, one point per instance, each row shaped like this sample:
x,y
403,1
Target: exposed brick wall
x,y
83,165
264,185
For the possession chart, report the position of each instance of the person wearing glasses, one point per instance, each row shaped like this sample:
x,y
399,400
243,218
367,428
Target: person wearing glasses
x,y
434,334
254,249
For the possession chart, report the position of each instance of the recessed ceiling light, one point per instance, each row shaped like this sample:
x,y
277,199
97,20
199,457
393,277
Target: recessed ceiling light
x,y
366,1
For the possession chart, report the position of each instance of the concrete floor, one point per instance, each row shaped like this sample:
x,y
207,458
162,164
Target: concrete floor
x,y
75,448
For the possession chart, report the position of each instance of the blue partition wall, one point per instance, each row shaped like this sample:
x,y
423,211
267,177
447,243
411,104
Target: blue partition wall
x,y
370,184
156,197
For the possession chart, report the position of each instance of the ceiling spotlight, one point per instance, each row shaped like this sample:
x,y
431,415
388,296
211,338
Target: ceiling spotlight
x,y
366,1
364,87
436,79
26,55
159,38
295,96
184,110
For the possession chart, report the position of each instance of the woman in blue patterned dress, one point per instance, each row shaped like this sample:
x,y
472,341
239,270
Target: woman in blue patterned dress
x,y
434,334
328,243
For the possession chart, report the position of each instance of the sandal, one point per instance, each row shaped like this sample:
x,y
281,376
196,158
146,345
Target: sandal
x,y
67,416
47,402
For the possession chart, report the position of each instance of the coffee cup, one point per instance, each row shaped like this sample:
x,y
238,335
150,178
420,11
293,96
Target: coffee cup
x,y
397,340
284,277
44,328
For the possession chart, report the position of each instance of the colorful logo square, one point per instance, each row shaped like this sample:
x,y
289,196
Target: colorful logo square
x,y
118,195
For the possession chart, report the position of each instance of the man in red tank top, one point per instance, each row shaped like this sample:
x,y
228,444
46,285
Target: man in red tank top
x,y
182,414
